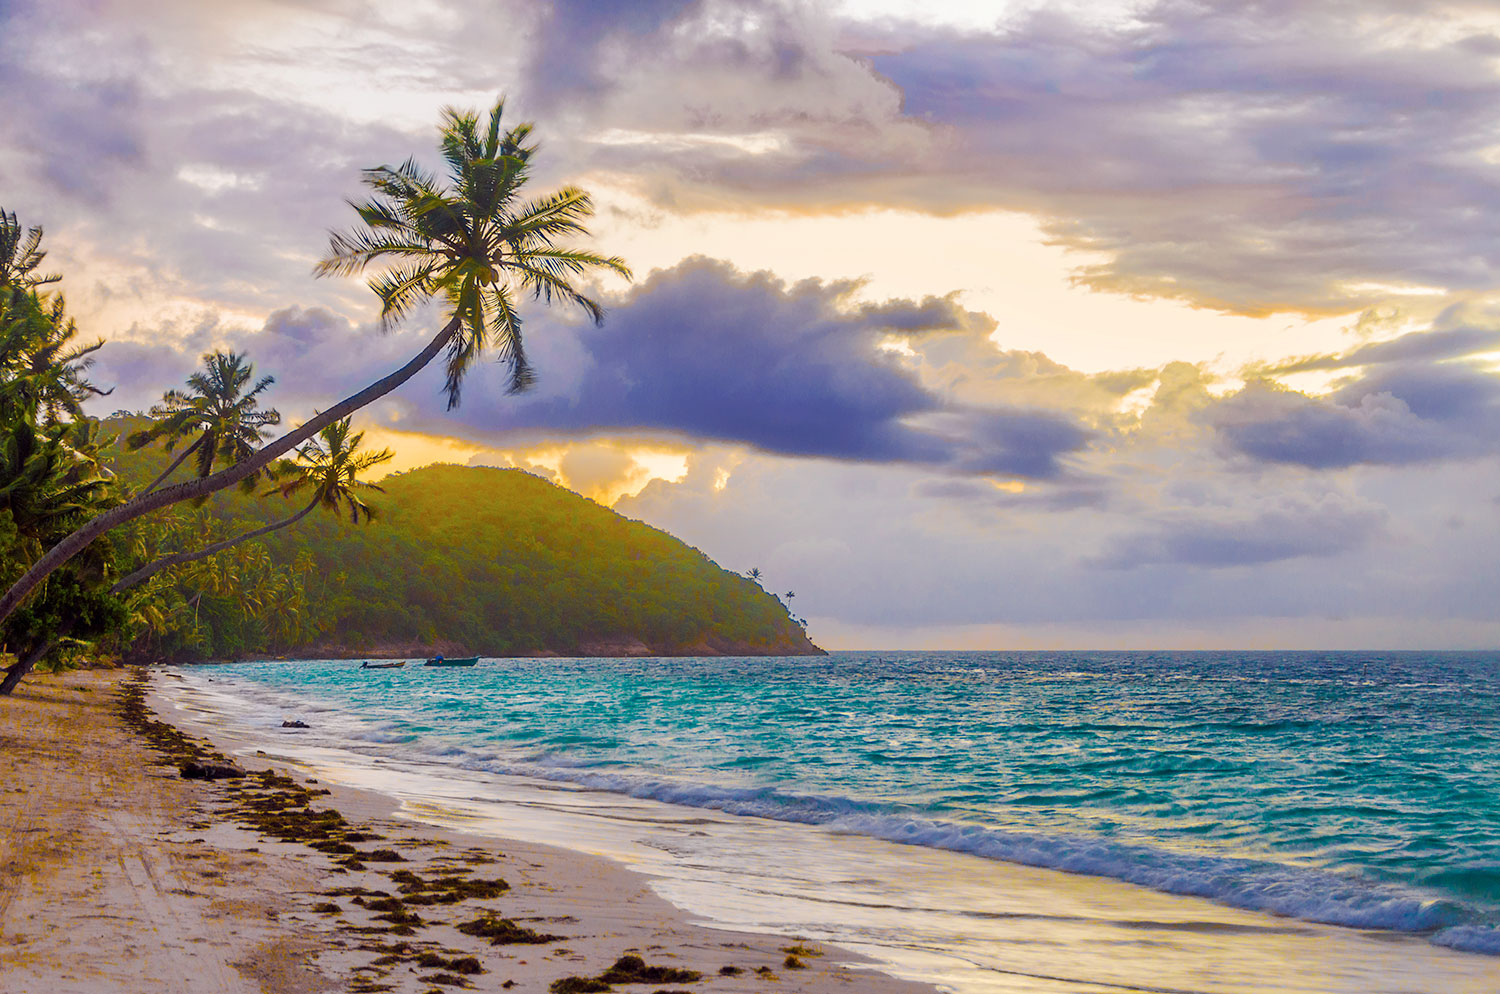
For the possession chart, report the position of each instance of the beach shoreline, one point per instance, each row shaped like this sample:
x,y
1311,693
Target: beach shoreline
x,y
119,875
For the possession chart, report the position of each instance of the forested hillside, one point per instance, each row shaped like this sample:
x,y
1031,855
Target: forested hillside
x,y
497,562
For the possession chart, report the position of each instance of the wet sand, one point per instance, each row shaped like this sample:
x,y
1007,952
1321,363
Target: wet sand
x,y
117,875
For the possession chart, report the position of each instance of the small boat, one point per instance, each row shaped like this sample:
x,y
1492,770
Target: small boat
x,y
440,661
367,665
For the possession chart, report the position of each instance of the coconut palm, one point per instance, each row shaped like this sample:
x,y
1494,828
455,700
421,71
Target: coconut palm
x,y
329,467
20,254
50,481
41,367
470,241
224,419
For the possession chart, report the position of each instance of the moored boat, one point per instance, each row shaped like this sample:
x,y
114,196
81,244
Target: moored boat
x,y
440,661
367,665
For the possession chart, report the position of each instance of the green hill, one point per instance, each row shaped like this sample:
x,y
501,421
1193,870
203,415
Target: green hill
x,y
468,560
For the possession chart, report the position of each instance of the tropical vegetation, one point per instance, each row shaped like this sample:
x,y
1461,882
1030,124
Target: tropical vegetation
x,y
471,242
113,544
494,561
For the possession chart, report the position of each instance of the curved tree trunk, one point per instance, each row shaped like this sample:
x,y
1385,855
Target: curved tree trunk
x,y
173,468
202,487
146,572
18,670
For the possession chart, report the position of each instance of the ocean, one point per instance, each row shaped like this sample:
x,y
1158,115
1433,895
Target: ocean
x,y
1209,822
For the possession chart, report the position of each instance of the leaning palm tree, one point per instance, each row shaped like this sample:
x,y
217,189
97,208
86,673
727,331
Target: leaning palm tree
x,y
329,467
224,419
470,241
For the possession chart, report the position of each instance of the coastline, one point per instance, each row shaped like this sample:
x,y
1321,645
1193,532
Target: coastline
x,y
118,875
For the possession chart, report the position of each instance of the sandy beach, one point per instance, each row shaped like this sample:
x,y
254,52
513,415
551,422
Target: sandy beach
x,y
118,875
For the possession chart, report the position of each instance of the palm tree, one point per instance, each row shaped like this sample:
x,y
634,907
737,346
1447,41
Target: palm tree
x,y
754,573
42,370
471,241
50,480
225,418
20,254
329,467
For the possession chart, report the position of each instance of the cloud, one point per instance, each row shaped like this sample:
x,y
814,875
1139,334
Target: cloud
x,y
1252,157
1292,529
706,352
1403,413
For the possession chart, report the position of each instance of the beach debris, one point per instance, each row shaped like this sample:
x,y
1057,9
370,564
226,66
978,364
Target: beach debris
x,y
194,770
628,969
793,963
295,724
801,950
446,979
578,985
467,965
448,889
505,932
383,856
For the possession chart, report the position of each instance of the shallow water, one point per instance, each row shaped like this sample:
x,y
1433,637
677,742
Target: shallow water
x,y
885,800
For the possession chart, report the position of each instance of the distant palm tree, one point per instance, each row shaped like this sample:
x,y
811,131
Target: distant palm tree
x,y
472,241
222,417
754,573
330,467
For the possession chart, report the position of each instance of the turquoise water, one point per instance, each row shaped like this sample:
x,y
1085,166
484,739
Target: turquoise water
x,y
1360,790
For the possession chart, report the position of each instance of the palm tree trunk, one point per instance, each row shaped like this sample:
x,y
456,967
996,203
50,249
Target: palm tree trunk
x,y
202,487
146,572
175,463
18,670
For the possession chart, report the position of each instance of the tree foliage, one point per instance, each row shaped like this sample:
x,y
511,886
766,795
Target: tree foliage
x,y
502,562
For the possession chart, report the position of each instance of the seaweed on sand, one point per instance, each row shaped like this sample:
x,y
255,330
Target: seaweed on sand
x,y
578,985
631,969
628,969
504,932
447,889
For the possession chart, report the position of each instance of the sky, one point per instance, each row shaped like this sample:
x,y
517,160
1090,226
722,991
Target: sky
x,y
976,325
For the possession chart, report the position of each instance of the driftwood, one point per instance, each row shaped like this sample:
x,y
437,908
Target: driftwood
x,y
295,724
194,770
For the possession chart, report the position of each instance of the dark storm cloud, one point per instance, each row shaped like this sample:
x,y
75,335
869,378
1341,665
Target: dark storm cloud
x,y
1233,537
